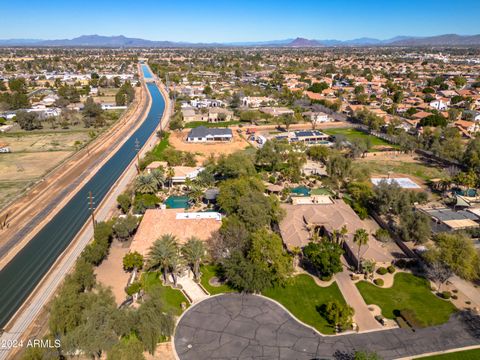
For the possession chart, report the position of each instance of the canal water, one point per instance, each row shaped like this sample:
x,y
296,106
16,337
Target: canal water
x,y
20,276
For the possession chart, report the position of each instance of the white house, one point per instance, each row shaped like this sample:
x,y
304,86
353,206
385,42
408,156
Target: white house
x,y
439,105
317,117
107,106
203,134
257,101
204,103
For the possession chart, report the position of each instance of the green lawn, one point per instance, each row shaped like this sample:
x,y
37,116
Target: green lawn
x,y
408,168
219,124
156,154
459,355
351,134
408,292
302,296
172,298
209,271
162,145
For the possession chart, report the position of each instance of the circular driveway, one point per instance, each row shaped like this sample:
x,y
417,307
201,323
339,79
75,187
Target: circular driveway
x,y
238,326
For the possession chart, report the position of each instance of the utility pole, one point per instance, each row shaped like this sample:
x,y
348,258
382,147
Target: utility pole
x,y
91,204
137,150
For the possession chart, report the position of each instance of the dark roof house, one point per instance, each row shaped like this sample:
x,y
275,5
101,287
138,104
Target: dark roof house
x,y
204,134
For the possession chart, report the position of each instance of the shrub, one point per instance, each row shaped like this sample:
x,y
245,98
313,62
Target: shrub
x,y
326,277
401,263
97,250
446,295
133,288
132,260
382,235
378,282
454,297
143,202
391,269
124,202
381,271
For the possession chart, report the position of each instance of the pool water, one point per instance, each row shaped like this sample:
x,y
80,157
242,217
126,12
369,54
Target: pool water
x,y
300,191
177,202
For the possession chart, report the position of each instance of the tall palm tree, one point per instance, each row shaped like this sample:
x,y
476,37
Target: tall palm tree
x,y
176,266
342,234
161,254
145,184
159,177
360,238
194,252
170,175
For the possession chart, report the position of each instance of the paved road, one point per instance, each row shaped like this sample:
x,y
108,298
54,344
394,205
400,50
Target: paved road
x,y
236,326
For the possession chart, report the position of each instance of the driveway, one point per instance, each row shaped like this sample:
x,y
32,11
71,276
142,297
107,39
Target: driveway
x,y
363,317
237,326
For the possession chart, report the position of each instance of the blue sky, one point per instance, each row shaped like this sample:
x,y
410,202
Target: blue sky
x,y
230,20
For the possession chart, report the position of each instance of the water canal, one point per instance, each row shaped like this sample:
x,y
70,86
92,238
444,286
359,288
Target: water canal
x,y
21,275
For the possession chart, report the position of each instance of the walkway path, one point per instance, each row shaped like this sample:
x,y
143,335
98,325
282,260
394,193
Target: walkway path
x,y
191,288
236,326
468,289
363,316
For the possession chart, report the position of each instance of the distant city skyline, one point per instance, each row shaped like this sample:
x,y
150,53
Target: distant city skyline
x,y
232,21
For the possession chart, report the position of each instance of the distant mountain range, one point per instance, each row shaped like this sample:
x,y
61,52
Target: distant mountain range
x,y
122,41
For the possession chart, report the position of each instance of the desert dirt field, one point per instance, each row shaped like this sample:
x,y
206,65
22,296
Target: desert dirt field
x,y
32,156
55,141
110,273
19,170
203,151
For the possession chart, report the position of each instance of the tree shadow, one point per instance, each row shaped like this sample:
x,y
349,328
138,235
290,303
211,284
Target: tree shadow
x,y
471,322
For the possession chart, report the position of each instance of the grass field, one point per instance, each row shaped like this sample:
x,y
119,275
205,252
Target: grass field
x,y
415,169
351,134
459,355
195,124
208,272
303,296
408,292
162,145
172,298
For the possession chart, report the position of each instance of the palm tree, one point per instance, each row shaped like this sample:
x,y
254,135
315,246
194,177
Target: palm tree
x,y
360,238
159,177
194,253
176,266
170,175
161,254
342,234
145,184
195,192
